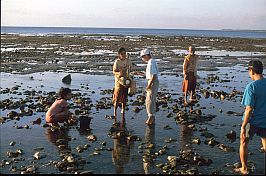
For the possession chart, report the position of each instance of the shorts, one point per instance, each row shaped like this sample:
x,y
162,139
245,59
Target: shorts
x,y
251,130
189,84
120,95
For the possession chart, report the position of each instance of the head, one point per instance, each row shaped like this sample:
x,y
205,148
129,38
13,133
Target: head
x,y
255,67
122,53
64,93
145,55
191,49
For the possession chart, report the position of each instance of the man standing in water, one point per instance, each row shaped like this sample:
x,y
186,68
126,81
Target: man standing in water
x,y
190,74
254,119
152,72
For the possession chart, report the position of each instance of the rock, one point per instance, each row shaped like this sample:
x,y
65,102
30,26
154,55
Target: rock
x,y
207,134
211,142
31,169
160,165
70,159
237,165
167,127
92,138
226,148
231,135
196,141
67,79
12,143
38,156
172,160
86,172
61,142
136,109
37,121
12,114
79,149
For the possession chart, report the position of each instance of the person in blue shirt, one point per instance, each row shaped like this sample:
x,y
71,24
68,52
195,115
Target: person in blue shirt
x,y
254,119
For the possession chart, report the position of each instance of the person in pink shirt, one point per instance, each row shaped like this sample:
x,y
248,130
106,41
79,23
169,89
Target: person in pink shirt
x,y
58,112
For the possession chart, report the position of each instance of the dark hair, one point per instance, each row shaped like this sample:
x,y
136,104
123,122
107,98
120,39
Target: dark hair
x,y
256,66
121,50
63,92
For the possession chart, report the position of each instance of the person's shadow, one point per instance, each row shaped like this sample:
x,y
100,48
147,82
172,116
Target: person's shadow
x,y
122,145
149,153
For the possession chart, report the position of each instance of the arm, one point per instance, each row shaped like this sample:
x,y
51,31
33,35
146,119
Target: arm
x,y
134,72
185,65
116,71
248,112
150,82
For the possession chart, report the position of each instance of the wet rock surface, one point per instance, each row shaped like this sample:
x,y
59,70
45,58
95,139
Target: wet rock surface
x,y
87,53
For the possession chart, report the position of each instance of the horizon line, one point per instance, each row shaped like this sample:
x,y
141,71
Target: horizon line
x,y
137,28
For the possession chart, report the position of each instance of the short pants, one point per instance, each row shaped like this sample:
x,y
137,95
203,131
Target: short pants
x,y
251,130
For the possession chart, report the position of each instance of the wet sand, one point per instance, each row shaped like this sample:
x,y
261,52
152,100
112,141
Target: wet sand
x,y
197,140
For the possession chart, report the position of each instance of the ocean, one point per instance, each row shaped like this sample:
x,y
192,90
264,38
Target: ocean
x,y
133,31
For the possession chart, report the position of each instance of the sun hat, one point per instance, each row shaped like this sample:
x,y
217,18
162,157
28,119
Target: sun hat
x,y
145,52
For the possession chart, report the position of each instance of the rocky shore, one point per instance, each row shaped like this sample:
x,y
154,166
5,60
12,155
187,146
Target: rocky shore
x,y
199,139
96,53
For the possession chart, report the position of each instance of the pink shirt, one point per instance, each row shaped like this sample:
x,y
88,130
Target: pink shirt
x,y
58,106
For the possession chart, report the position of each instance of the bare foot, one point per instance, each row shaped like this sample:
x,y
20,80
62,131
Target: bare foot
x,y
241,171
150,120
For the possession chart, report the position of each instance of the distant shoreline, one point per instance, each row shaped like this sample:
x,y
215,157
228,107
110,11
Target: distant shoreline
x,y
255,30
232,33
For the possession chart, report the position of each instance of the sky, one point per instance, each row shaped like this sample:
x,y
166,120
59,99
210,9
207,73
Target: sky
x,y
158,14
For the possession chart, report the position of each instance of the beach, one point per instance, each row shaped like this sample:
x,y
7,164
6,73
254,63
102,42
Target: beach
x,y
181,142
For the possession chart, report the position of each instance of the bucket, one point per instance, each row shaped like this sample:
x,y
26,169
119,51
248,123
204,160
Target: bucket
x,y
84,122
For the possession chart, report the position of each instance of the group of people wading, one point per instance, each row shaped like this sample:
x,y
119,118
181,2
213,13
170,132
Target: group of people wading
x,y
254,98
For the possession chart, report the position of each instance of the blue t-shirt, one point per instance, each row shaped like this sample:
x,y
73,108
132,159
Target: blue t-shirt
x,y
255,96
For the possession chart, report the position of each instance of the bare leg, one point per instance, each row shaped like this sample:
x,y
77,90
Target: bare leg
x,y
185,99
115,110
123,109
263,141
243,152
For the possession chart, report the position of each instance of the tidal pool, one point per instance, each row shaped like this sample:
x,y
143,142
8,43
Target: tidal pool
x,y
123,157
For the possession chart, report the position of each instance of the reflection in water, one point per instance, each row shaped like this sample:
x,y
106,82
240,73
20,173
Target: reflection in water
x,y
59,137
149,153
185,136
122,145
185,132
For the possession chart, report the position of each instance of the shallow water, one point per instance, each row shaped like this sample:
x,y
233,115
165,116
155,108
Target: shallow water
x,y
127,158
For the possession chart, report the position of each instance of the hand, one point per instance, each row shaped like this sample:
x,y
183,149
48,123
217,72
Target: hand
x,y
148,88
185,77
121,74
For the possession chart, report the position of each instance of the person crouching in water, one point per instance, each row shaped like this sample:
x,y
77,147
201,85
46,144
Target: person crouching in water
x,y
58,112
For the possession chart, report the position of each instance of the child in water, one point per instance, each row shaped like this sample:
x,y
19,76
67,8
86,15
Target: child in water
x,y
58,112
